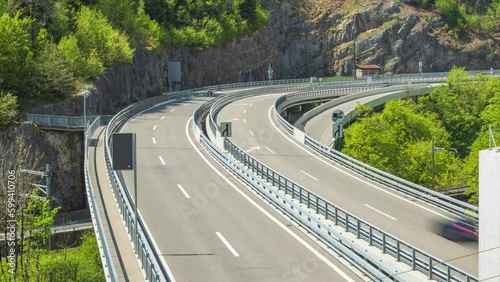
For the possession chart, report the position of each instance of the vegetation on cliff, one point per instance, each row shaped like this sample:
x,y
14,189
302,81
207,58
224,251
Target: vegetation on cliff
x,y
51,49
457,115
461,15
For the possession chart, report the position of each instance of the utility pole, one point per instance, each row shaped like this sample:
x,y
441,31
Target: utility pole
x,y
354,31
432,162
433,153
48,195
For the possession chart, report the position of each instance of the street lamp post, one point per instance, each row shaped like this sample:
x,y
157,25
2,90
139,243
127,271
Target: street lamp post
x,y
433,152
85,109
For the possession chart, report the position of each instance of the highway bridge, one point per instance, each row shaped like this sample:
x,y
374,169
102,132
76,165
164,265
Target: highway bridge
x,y
261,205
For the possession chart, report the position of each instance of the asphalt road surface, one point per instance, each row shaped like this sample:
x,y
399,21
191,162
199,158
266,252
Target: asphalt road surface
x,y
206,225
255,130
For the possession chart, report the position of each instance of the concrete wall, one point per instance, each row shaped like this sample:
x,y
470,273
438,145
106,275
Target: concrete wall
x,y
489,215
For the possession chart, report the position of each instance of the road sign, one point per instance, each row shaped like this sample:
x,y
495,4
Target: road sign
x,y
225,129
123,147
338,130
337,116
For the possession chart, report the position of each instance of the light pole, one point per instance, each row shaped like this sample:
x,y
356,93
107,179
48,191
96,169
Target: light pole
x,y
85,109
270,73
433,152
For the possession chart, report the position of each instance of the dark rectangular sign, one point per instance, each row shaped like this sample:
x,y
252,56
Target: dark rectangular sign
x,y
122,144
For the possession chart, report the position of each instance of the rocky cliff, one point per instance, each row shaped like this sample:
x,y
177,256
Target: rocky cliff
x,y
316,38
302,38
116,88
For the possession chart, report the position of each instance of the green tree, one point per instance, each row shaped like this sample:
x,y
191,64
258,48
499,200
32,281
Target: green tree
x,y
395,140
59,24
16,55
452,13
55,76
457,106
95,34
8,109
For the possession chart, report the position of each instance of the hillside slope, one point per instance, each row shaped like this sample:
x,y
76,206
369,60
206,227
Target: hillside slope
x,y
315,38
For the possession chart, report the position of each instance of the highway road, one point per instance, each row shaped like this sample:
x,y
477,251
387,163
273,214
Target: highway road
x,y
255,130
207,225
320,126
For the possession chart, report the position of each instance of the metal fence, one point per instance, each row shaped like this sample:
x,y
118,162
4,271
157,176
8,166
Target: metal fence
x,y
102,243
450,204
69,122
148,255
419,260
155,271
402,251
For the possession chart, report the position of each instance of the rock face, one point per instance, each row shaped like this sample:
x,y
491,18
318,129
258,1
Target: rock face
x,y
302,38
316,38
64,152
116,88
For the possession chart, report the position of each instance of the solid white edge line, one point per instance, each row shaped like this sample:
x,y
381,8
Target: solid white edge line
x,y
308,174
266,213
154,127
227,244
381,212
271,151
183,191
154,140
251,133
167,268
161,160
349,174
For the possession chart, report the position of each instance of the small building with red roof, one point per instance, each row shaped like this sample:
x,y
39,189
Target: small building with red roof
x,y
363,71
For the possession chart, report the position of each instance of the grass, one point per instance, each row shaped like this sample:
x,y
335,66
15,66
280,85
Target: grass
x,y
80,264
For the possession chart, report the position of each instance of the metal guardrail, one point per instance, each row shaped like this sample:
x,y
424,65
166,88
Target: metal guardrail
x,y
143,243
402,251
70,122
419,260
102,242
327,234
450,204
148,254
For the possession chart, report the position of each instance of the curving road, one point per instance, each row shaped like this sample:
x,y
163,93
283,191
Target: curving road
x,y
208,226
256,131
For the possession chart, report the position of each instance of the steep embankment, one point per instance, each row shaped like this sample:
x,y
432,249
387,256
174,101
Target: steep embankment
x,y
315,38
302,38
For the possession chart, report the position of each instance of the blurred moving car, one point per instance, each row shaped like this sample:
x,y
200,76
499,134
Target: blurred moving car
x,y
460,230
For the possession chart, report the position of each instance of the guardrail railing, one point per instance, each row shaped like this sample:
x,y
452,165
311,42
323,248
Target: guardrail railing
x,y
450,204
402,251
346,248
147,253
65,121
419,260
143,243
102,242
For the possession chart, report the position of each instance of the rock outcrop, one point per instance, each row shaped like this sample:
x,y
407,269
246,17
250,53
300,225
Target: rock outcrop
x,y
302,38
316,38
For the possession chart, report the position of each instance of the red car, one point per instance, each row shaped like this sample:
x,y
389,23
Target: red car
x,y
460,230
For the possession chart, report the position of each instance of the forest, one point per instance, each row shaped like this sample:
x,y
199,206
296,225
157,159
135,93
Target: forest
x,y
463,15
51,49
457,115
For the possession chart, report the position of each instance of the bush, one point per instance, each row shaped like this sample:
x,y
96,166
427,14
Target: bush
x,y
8,108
